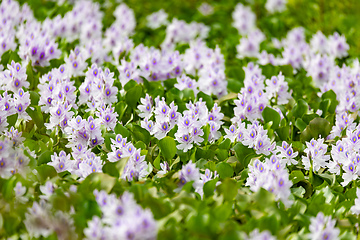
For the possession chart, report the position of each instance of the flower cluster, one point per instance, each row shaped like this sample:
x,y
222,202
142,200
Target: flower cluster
x,y
185,82
254,96
355,209
272,176
98,88
178,31
315,157
12,14
157,19
342,121
41,221
323,227
14,156
166,116
57,97
256,234
209,65
345,155
275,5
136,166
190,172
244,19
14,81
122,218
253,136
189,123
151,64
37,44
83,133
286,153
85,163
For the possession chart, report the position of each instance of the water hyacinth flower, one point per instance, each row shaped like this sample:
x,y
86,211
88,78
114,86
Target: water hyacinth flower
x,y
20,191
250,46
355,209
185,82
14,77
190,172
287,153
323,227
41,221
122,218
206,9
351,170
146,107
315,158
178,31
278,88
157,19
272,176
256,234
12,158
340,155
338,46
136,167
61,162
47,190
244,19
254,136
36,44
275,5
108,117
342,121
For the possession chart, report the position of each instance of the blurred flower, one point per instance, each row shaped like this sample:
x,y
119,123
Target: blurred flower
x,y
323,227
157,19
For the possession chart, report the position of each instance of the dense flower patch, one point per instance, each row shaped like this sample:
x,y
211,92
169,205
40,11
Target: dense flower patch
x,y
125,123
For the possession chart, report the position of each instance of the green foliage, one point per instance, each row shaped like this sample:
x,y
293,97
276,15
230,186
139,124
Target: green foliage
x,y
228,209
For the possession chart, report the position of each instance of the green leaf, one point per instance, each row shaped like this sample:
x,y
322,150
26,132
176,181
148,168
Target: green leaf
x,y
225,170
45,171
244,154
330,95
31,78
133,95
34,96
157,162
222,154
228,189
167,146
188,95
130,84
300,124
140,134
209,187
123,131
37,116
324,106
225,144
296,176
107,140
317,127
283,132
206,129
207,99
110,169
270,114
300,108
45,157
120,109
12,120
